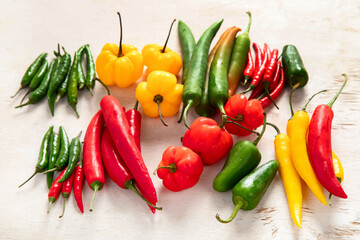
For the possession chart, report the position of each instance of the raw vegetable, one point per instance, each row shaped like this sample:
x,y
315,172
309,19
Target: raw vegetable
x,y
54,149
187,42
55,190
66,190
78,185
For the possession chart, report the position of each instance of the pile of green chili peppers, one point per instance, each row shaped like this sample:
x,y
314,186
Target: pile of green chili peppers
x,y
57,153
59,78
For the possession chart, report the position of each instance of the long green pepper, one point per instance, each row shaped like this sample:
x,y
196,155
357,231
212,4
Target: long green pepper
x,y
80,71
72,87
90,70
31,71
59,76
43,159
193,87
187,42
74,157
54,148
249,191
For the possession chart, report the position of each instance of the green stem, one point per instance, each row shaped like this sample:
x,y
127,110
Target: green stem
x,y
130,185
167,39
275,127
17,92
266,87
308,101
233,214
338,93
63,211
256,141
171,167
136,105
22,105
188,106
51,200
50,170
249,24
120,53
158,99
36,171
27,93
106,88
96,188
290,102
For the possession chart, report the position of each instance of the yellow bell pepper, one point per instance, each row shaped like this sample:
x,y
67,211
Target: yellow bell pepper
x,y
162,58
297,129
160,95
339,171
121,69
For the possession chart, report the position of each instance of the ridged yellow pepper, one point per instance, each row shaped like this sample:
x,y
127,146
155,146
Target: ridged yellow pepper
x,y
160,95
297,129
290,177
122,68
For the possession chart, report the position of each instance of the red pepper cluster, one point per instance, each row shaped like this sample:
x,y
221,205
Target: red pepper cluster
x,y
266,74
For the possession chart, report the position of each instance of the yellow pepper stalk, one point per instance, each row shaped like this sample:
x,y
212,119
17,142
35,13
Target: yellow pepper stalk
x,y
297,129
290,177
160,95
119,65
339,171
158,57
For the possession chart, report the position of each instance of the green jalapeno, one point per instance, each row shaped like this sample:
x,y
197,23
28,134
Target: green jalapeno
x,y
43,159
249,191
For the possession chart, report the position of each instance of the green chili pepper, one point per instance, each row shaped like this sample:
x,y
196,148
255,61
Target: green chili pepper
x,y
43,155
54,152
62,89
194,84
91,72
74,157
187,42
37,79
80,72
244,157
31,72
218,85
72,88
59,76
204,108
40,92
249,191
294,69
239,58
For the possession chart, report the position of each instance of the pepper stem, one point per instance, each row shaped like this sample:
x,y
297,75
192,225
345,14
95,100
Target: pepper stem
x,y
188,106
171,167
51,200
120,53
290,99
167,39
308,101
251,87
338,93
266,87
106,88
249,24
50,170
158,99
233,214
275,127
256,141
182,114
63,211
130,185
36,171
22,105
136,105
224,122
17,92
96,188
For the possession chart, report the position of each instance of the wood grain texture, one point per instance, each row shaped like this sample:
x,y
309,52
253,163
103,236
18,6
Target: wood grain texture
x,y
327,34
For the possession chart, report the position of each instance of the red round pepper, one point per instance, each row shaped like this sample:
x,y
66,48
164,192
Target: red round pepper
x,y
55,189
66,190
208,140
78,185
247,113
119,129
180,168
93,167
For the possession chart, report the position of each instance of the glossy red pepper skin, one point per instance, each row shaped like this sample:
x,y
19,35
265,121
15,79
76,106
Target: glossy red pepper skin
x,y
320,152
271,67
67,186
207,139
265,102
134,119
55,189
93,167
249,114
180,168
258,56
249,69
78,186
119,129
276,79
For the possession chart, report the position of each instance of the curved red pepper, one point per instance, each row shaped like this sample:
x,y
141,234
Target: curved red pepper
x,y
319,148
276,77
119,129
134,119
249,69
66,190
180,168
55,189
265,102
78,186
207,139
248,113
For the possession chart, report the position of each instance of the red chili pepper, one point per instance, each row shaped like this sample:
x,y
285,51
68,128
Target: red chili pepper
x,y
319,147
208,140
259,90
265,102
78,185
269,74
93,167
247,113
119,129
276,77
66,190
116,168
267,51
258,56
55,190
249,69
180,168
134,119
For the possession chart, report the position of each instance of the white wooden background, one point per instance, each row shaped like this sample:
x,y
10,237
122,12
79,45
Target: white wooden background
x,y
327,34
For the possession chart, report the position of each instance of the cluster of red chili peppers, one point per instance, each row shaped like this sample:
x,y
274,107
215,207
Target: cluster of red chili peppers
x,y
266,75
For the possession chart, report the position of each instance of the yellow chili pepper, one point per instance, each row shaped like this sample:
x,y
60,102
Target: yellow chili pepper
x,y
119,65
297,128
160,95
158,57
339,171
